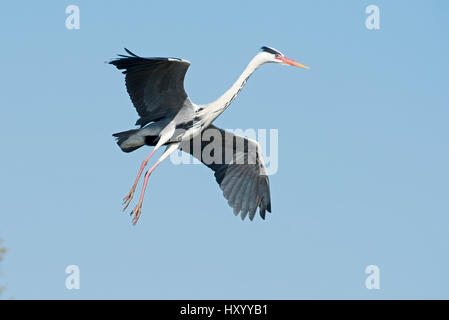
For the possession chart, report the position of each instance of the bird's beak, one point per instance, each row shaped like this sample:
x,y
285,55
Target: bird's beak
x,y
291,62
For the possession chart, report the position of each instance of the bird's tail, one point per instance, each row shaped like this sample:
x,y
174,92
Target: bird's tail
x,y
129,140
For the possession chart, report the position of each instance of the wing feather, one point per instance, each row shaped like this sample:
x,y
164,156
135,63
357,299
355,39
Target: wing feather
x,y
245,183
155,85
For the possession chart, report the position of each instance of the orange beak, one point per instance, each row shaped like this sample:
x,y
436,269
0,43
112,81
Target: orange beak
x,y
292,62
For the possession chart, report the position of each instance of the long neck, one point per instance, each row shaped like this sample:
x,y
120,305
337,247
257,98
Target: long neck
x,y
218,106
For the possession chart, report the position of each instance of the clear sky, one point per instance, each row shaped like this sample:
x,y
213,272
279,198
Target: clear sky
x,y
363,175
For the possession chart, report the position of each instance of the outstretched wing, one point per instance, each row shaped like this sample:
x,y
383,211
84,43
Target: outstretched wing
x,y
239,170
155,85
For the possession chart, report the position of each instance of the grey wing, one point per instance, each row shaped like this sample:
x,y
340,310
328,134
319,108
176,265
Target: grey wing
x,y
155,85
239,170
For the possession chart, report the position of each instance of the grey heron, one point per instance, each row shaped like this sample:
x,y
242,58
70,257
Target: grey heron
x,y
169,118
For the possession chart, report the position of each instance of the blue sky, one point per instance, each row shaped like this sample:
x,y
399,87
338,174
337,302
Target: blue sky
x,y
363,173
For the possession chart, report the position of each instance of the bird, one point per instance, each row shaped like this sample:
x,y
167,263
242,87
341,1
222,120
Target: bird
x,y
167,117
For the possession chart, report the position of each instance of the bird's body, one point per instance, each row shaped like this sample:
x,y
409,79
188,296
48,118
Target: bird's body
x,y
169,118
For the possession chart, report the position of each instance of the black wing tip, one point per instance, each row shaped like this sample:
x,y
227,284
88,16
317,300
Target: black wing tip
x,y
262,212
263,208
121,57
131,53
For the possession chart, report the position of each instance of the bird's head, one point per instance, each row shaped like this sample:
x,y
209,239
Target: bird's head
x,y
268,54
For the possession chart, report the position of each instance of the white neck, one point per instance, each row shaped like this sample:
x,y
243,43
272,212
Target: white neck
x,y
215,108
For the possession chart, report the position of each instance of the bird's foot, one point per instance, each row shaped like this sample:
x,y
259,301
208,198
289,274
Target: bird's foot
x,y
136,212
127,199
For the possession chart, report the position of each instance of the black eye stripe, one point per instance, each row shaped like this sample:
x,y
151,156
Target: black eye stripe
x,y
270,50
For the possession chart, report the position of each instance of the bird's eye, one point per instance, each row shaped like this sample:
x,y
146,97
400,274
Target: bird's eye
x,y
277,56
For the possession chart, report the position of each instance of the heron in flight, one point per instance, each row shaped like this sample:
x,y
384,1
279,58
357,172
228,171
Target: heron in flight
x,y
169,118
